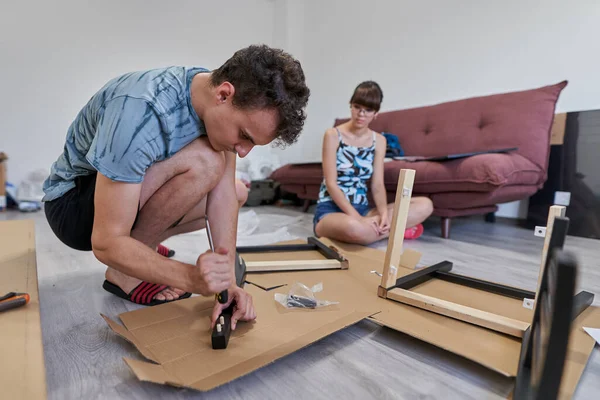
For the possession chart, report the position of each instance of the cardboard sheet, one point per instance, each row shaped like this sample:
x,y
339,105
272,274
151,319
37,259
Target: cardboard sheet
x,y
176,336
580,348
22,369
493,350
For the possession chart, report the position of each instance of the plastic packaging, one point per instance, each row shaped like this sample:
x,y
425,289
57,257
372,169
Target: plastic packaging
x,y
301,296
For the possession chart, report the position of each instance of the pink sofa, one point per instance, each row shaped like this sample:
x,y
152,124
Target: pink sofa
x,y
473,185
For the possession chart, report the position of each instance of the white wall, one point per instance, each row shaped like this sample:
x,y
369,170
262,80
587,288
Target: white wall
x,y
429,51
55,55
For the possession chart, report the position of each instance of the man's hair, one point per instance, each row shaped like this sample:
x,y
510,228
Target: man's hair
x,y
265,77
368,94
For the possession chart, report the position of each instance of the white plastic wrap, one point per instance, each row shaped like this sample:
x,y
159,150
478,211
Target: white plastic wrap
x,y
31,188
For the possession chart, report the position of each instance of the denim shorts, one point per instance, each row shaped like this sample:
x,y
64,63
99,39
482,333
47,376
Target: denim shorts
x,y
328,207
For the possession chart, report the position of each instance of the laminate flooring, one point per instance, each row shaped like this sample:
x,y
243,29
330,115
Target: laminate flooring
x,y
84,359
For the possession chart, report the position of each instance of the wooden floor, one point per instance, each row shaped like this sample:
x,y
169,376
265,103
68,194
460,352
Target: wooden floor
x,y
84,360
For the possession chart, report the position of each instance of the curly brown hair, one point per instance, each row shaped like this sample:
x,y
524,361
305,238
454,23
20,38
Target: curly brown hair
x,y
266,77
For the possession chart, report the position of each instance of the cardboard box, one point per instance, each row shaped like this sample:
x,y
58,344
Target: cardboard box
x,y
176,337
3,158
22,368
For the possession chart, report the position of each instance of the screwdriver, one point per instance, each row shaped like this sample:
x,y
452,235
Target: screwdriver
x,y
221,297
13,300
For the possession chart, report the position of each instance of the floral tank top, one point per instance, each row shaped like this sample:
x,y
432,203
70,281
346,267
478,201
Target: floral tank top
x,y
354,169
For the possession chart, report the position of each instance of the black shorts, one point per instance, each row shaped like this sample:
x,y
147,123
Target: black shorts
x,y
71,216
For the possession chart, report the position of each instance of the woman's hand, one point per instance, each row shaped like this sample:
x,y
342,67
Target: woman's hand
x,y
373,222
384,224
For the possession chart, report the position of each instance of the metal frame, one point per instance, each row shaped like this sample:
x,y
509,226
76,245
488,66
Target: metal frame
x,y
222,329
399,289
401,292
545,343
333,259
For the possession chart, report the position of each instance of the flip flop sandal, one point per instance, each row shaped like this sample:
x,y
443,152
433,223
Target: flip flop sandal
x,y
142,294
165,251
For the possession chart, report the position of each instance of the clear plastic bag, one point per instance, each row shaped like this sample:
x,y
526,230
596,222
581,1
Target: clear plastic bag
x,y
301,296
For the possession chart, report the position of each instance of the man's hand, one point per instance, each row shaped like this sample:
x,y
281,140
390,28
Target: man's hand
x,y
214,273
242,311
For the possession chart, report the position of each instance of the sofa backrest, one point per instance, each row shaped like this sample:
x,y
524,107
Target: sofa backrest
x,y
520,119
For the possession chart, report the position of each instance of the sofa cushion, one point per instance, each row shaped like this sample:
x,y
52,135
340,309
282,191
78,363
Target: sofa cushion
x,y
480,173
520,119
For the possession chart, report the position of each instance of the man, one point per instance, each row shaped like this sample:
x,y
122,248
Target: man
x,y
153,152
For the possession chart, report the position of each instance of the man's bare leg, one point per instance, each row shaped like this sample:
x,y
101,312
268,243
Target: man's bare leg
x,y
194,219
191,222
170,190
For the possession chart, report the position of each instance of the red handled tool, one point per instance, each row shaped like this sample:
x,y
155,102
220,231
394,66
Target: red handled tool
x,y
13,300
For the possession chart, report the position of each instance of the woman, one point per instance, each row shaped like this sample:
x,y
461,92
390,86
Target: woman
x,y
353,154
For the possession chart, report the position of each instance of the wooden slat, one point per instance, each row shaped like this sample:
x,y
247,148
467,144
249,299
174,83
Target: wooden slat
x,y
291,265
396,239
474,316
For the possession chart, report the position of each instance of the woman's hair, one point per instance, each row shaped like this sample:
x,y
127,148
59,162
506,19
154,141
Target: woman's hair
x,y
368,94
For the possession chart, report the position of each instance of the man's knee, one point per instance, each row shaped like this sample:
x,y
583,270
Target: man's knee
x,y
204,161
241,192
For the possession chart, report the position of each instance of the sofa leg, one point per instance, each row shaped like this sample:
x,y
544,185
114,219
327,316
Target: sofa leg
x,y
445,227
306,205
490,217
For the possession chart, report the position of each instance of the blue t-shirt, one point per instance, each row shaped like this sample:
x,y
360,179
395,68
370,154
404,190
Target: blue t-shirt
x,y
132,122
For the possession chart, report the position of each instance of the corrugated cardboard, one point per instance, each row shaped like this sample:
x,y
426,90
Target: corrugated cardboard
x,y
176,336
22,369
581,346
495,351
492,350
